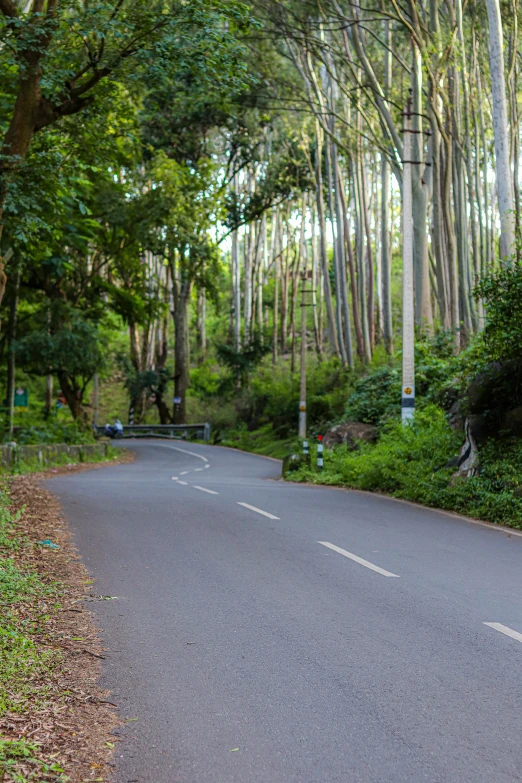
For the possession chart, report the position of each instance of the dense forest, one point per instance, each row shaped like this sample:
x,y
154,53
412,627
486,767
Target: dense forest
x,y
199,201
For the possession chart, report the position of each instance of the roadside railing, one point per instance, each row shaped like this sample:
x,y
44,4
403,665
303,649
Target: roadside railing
x,y
171,431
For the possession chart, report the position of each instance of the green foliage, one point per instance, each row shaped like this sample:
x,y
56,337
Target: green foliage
x,y
409,462
73,349
502,293
241,363
16,752
262,441
17,586
376,397
54,432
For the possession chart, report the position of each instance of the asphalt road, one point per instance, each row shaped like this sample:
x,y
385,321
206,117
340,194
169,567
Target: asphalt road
x,y
251,652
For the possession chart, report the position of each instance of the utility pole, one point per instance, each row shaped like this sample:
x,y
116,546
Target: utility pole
x,y
302,383
408,315
302,380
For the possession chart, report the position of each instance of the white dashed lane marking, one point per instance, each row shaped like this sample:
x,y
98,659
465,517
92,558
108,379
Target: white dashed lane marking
x,y
257,510
204,489
357,559
506,630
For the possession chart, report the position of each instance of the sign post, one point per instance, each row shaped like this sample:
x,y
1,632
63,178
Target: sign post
x,y
320,449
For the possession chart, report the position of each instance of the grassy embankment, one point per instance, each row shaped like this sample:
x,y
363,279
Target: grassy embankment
x,y
26,665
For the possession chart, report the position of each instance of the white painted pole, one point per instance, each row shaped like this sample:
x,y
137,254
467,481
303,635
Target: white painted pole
x,y
408,314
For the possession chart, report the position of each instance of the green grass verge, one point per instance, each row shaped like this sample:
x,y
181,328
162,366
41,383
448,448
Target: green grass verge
x,y
410,463
21,753
31,464
25,666
261,441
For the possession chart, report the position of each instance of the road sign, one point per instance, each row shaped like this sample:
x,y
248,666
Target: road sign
x,y
21,399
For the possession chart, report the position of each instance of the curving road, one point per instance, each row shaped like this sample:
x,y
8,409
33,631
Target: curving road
x,y
267,632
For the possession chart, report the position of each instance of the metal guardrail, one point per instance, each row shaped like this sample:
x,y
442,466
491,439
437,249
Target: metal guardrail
x,y
171,431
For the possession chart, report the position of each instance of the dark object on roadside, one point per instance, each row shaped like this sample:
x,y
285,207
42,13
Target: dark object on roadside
x,y
468,457
350,433
293,462
49,544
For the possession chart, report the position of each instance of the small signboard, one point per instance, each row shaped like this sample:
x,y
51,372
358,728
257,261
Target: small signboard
x,y
177,400
21,399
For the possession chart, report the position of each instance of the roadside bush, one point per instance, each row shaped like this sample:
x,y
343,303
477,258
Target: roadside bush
x,y
410,463
54,432
377,396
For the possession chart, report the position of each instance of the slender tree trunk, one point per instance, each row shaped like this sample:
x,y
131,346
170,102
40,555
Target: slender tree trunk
x,y
336,262
181,353
500,128
316,286
11,360
276,257
387,324
332,334
339,196
236,280
353,277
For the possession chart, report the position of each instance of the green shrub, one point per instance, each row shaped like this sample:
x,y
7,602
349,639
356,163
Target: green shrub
x,y
376,397
54,432
17,754
409,462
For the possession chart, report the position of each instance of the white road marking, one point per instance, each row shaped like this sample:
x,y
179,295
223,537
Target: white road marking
x,y
183,482
185,451
207,466
258,510
197,470
175,478
357,559
184,472
506,630
204,489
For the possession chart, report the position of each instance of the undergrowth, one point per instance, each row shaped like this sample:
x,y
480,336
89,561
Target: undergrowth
x,y
411,462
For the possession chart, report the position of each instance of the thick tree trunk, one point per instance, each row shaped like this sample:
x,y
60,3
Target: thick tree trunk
x,y
500,128
73,396
181,353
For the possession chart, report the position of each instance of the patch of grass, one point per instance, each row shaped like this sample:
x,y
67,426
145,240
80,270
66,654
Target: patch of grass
x,y
20,760
262,441
409,462
26,462
23,665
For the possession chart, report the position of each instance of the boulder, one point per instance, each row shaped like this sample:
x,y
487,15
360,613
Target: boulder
x,y
350,433
513,421
481,428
